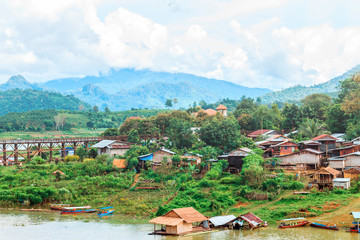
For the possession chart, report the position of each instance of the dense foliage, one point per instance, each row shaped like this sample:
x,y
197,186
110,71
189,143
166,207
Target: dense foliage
x,y
17,100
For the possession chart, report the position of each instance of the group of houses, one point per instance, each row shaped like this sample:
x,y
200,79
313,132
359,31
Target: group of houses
x,y
187,220
330,160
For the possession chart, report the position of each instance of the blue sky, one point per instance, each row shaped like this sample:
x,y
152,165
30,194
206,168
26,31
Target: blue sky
x,y
257,43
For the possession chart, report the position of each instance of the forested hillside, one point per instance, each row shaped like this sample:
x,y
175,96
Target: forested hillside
x,y
296,93
19,100
47,120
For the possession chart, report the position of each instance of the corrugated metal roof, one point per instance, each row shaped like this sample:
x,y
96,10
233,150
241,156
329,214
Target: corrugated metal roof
x,y
351,154
103,143
313,151
341,180
221,220
356,215
168,151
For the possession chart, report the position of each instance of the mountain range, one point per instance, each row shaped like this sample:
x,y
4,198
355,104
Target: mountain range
x,y
129,88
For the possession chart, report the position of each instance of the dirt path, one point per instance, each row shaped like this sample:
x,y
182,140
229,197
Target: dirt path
x,y
341,216
136,178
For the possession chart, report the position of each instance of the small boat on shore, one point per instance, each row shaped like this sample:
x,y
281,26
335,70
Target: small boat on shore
x,y
324,226
293,223
76,210
105,211
58,207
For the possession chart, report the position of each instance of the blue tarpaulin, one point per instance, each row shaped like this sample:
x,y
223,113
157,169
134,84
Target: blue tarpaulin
x,y
146,157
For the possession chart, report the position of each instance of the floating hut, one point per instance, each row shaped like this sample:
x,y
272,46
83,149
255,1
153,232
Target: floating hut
x,y
180,221
222,221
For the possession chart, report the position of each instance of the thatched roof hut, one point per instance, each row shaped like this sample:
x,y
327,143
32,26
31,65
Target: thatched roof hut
x,y
179,221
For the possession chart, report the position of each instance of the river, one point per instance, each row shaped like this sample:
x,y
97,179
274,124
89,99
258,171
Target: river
x,y
45,226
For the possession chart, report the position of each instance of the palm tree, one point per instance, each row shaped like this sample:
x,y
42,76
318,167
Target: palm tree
x,y
311,128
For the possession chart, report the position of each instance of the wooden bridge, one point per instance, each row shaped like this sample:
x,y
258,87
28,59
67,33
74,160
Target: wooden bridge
x,y
13,150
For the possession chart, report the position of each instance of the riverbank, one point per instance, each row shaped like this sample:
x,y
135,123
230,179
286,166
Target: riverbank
x,y
98,184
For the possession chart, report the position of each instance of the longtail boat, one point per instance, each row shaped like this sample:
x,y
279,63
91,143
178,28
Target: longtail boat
x,y
356,227
293,222
58,207
76,210
324,226
105,211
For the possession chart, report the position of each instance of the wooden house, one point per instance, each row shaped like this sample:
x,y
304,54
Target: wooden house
x,y
112,147
345,161
327,142
160,155
344,150
304,159
190,159
235,159
285,147
324,177
247,221
352,173
180,221
310,144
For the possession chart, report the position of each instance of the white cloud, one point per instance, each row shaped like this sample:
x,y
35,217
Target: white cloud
x,y
257,43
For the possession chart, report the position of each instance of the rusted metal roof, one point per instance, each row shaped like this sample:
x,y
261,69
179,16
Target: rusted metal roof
x,y
252,219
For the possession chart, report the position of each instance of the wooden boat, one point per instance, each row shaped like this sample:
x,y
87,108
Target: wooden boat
x,y
324,226
58,207
354,230
293,223
76,210
105,211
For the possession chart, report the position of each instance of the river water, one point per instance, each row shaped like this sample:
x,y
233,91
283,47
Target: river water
x,y
51,226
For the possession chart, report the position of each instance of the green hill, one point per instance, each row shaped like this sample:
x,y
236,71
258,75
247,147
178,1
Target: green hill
x,y
298,92
20,100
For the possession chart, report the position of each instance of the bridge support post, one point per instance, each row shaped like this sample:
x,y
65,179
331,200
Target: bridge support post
x,y
63,151
16,153
51,152
4,154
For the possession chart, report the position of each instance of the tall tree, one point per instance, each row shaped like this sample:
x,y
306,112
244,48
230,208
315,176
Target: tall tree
x,y
168,103
319,102
224,134
351,96
311,128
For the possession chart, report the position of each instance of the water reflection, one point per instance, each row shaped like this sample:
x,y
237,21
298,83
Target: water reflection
x,y
41,226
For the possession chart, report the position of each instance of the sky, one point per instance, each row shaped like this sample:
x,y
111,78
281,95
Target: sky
x,y
259,43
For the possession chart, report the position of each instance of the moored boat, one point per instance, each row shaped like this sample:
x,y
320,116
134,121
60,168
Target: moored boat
x,y
293,223
324,226
105,211
356,227
76,210
58,207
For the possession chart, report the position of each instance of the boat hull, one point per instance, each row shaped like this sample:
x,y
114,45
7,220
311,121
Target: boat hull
x,y
106,213
79,211
323,226
300,224
354,230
